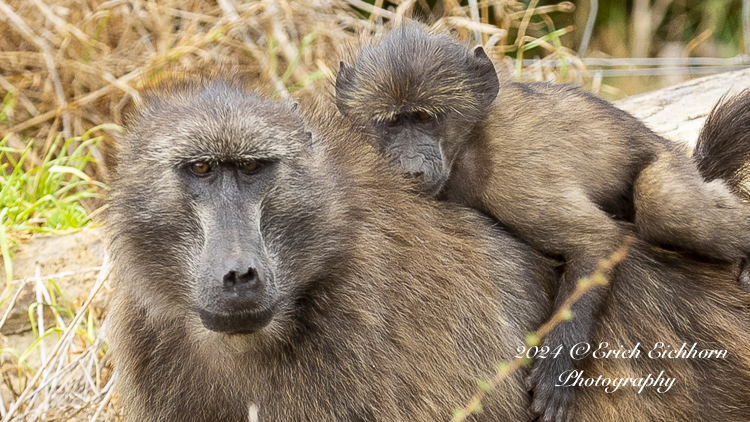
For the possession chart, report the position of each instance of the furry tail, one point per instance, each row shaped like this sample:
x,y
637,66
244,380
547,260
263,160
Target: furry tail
x,y
723,149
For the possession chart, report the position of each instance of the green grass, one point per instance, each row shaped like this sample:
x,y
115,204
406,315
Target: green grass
x,y
286,77
48,197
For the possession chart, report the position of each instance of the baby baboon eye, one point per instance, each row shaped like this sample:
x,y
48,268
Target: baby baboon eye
x,y
200,168
423,115
251,166
394,119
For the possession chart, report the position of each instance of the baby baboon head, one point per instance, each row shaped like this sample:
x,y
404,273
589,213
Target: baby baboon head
x,y
422,93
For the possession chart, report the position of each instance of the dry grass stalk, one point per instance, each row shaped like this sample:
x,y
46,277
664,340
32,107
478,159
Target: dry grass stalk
x,y
74,382
598,279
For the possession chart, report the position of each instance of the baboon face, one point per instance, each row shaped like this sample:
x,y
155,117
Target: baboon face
x,y
217,208
421,94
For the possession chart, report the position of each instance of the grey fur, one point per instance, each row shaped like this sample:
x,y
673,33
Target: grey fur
x,y
389,306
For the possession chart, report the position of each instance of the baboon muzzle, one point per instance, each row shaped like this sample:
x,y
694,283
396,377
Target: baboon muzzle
x,y
246,322
239,304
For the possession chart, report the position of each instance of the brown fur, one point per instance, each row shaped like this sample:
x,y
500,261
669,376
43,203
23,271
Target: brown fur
x,y
723,152
663,296
557,165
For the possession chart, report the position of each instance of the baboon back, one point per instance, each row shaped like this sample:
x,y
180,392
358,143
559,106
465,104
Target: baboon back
x,y
557,165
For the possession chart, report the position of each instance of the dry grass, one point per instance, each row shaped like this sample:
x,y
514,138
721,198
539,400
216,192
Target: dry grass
x,y
73,379
67,66
76,64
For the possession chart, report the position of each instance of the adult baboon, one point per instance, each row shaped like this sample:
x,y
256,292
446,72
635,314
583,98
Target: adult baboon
x,y
258,263
556,164
673,310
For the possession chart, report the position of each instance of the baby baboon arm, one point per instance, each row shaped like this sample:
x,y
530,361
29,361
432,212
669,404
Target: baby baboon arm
x,y
577,230
676,206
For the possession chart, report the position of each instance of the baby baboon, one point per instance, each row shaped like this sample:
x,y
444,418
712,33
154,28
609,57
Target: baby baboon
x,y
556,164
257,263
723,148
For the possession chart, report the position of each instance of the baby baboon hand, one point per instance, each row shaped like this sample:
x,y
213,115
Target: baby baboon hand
x,y
552,403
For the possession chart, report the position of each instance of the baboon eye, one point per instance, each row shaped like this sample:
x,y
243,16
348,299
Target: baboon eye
x,y
422,115
394,119
200,168
251,166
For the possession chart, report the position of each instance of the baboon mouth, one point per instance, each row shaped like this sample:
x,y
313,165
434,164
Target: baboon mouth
x,y
237,323
418,175
429,187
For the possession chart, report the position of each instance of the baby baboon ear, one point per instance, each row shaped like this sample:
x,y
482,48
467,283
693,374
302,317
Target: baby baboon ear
x,y
487,84
308,138
344,81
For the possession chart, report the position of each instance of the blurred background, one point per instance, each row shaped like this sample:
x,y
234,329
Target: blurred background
x,y
69,65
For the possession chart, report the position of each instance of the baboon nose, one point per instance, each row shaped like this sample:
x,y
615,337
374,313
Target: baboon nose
x,y
412,165
236,279
240,304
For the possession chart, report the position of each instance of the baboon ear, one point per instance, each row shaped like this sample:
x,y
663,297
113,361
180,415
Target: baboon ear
x,y
344,81
346,72
308,138
488,82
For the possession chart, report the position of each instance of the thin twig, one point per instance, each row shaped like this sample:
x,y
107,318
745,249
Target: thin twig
x,y
584,285
110,391
474,13
28,105
12,302
367,7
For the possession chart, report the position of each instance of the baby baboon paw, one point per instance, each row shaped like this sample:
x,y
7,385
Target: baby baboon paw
x,y
552,403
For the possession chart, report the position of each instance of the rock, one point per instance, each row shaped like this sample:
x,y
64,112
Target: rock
x,y
678,112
